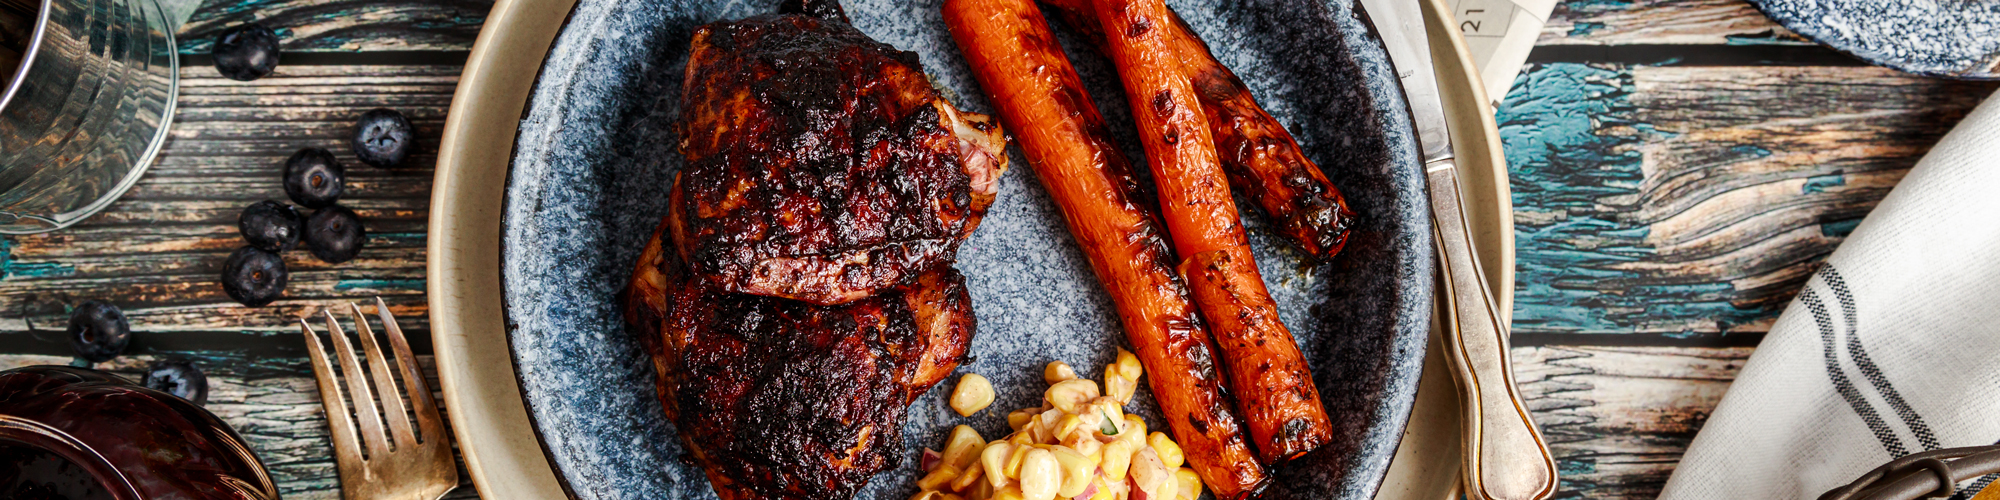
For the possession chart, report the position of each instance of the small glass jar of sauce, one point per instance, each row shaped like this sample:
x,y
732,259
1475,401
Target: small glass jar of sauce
x,y
78,434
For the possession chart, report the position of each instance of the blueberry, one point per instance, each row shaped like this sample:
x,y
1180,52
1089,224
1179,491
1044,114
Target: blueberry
x,y
382,138
271,226
98,331
254,277
334,234
313,178
179,378
246,52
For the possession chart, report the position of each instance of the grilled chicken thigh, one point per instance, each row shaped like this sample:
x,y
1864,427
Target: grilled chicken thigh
x,y
821,164
778,398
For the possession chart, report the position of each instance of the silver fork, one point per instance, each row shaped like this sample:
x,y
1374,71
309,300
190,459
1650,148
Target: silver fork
x,y
407,467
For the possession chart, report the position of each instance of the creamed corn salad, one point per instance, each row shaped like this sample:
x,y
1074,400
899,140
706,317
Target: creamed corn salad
x,y
1078,445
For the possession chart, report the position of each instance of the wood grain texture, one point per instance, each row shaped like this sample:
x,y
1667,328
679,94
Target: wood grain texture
x,y
1695,200
274,404
1619,418
343,25
158,251
1674,22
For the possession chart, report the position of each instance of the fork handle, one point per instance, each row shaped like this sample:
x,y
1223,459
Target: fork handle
x,y
1505,456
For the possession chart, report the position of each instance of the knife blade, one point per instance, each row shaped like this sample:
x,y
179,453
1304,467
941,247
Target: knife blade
x,y
1505,455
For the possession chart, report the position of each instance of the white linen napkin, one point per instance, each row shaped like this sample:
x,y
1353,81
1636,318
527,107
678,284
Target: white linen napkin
x,y
1892,348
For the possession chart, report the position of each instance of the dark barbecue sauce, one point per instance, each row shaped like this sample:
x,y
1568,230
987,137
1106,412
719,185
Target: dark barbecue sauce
x,y
33,474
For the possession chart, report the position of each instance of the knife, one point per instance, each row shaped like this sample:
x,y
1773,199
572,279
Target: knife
x,y
1505,455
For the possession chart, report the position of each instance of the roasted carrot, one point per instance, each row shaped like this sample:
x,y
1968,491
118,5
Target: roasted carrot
x,y
1038,94
1262,159
1273,387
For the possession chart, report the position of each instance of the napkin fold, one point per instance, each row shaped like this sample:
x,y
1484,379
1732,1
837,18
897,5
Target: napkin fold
x,y
1892,348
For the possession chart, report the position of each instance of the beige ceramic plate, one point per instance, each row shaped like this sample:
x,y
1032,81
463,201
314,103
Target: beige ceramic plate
x,y
487,416
467,328
1428,461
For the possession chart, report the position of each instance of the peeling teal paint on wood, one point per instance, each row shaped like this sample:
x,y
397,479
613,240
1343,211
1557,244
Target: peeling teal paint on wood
x,y
1839,228
1820,183
1572,148
416,285
38,270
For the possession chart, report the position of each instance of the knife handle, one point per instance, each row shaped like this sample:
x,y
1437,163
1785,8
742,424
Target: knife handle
x,y
1505,456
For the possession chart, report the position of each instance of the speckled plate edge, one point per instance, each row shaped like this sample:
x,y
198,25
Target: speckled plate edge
x,y
1827,30
468,331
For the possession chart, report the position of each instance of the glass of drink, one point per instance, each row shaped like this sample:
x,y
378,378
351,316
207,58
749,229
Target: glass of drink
x,y
85,109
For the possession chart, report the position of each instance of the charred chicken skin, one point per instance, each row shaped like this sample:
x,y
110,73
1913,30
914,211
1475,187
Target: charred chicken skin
x,y
821,165
781,399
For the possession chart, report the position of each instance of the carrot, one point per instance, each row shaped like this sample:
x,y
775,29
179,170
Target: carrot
x,y
1273,387
1015,57
1262,159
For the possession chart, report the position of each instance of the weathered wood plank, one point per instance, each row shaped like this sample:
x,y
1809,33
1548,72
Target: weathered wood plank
x,y
158,251
1693,199
274,404
1618,418
1622,22
343,25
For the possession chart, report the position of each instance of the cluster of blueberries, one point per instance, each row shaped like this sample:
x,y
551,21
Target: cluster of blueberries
x,y
255,274
99,332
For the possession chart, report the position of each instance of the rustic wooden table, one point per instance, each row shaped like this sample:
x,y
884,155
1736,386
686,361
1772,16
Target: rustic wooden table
x,y
1678,168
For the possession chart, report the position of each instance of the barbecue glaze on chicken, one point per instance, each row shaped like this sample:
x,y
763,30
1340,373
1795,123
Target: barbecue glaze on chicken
x,y
781,399
799,294
820,164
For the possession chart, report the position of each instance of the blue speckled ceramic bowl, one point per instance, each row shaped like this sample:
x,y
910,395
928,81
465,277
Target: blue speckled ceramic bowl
x,y
1948,38
595,153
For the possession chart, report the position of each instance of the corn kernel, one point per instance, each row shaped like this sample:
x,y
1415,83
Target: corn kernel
x,y
948,496
1063,428
1084,443
973,393
1040,475
994,460
962,448
1119,387
1014,459
944,473
1152,476
1170,452
925,495
1007,493
1134,425
1041,431
1117,459
1057,371
1045,428
1025,436
1103,490
1018,418
1190,483
965,479
1070,395
1128,365
981,490
1076,471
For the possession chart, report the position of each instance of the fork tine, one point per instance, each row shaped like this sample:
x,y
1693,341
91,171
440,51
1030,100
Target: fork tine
x,y
357,386
345,443
418,389
385,382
